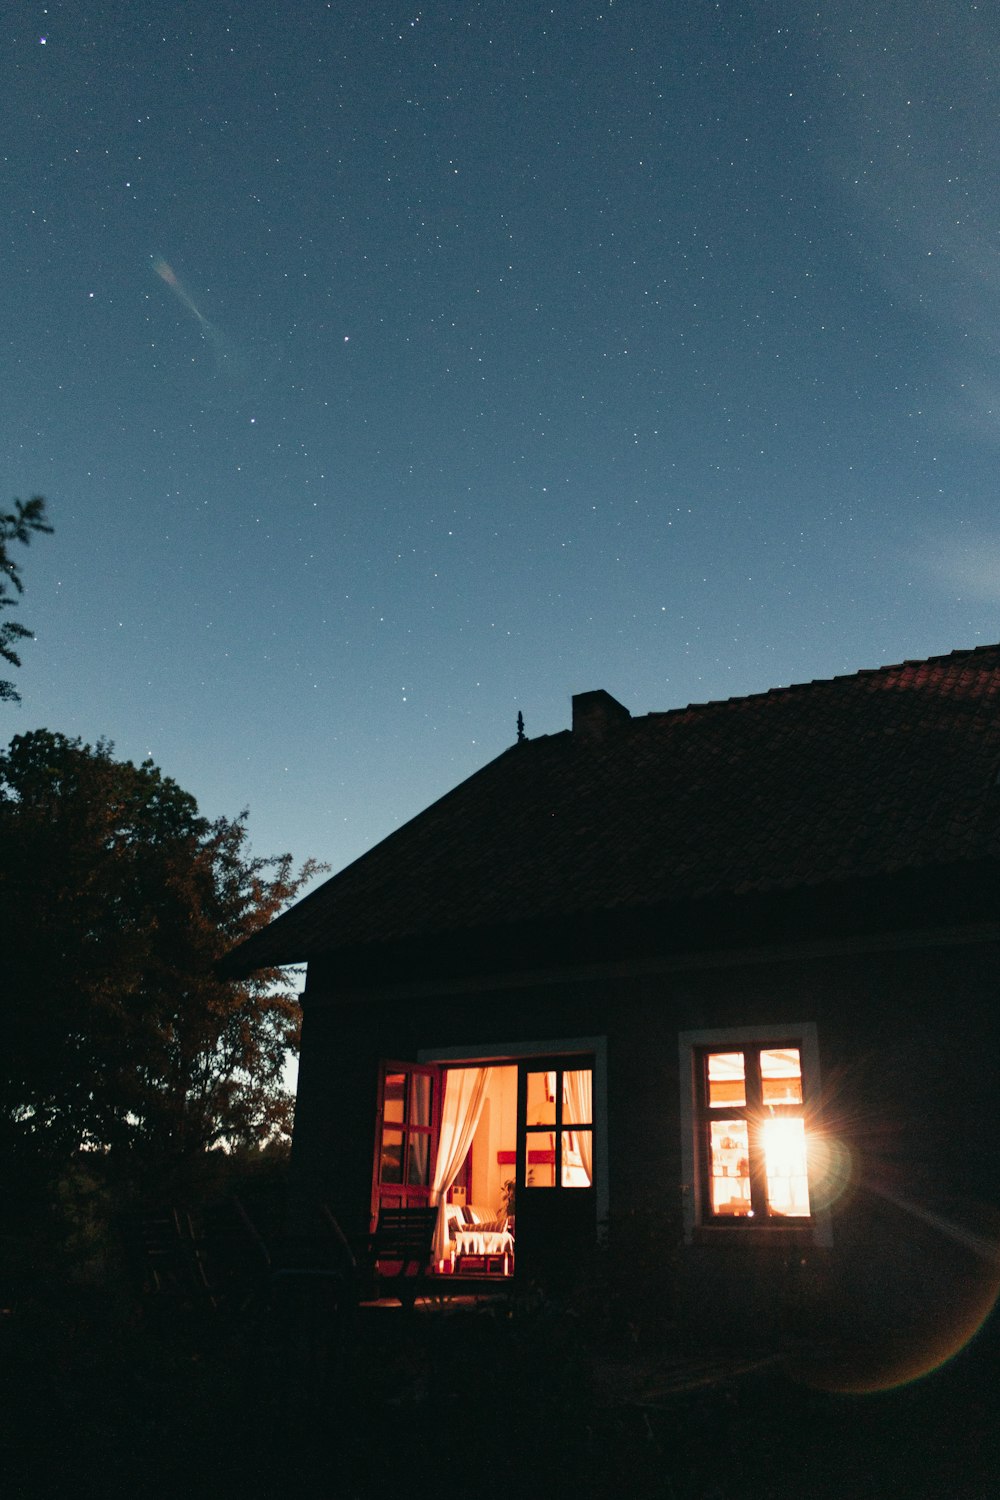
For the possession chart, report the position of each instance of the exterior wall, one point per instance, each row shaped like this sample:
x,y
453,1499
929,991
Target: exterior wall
x,y
908,1052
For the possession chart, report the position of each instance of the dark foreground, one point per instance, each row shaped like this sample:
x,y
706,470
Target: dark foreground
x,y
521,1400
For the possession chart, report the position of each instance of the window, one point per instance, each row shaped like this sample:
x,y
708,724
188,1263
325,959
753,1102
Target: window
x,y
555,1139
753,1133
558,1127
405,1131
749,1112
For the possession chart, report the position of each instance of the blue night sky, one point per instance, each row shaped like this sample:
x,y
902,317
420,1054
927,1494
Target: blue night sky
x,y
391,369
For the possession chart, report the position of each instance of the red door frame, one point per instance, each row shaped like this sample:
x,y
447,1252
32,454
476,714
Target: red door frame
x,y
406,1193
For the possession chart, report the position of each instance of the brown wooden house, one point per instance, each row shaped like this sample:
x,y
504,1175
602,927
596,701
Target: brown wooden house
x,y
715,988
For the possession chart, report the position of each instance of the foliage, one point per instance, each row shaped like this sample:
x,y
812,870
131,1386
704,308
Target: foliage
x,y
15,526
119,899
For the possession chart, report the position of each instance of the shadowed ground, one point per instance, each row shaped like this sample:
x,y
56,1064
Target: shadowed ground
x,y
528,1399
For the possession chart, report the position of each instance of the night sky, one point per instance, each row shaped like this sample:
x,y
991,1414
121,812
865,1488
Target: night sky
x,y
389,370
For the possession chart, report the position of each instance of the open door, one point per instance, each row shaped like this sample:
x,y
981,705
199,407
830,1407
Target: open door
x,y
532,1145
406,1130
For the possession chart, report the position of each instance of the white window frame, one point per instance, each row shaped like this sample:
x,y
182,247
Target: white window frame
x,y
691,1046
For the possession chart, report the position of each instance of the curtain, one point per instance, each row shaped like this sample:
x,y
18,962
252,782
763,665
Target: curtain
x,y
579,1110
465,1091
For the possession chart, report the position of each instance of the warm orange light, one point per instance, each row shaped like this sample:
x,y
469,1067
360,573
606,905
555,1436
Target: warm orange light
x,y
726,1079
785,1166
785,1147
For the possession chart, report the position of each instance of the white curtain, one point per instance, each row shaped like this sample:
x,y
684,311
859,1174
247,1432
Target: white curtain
x,y
465,1093
580,1111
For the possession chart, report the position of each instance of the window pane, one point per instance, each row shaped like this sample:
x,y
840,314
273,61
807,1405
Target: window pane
x,y
539,1166
726,1079
394,1097
781,1076
420,1099
785,1164
577,1169
392,1156
729,1145
541,1103
420,1156
578,1094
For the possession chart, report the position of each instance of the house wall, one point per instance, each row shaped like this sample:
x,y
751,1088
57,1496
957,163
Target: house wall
x,y
908,1050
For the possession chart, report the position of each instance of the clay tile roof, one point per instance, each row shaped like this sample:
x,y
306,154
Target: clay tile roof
x,y
879,772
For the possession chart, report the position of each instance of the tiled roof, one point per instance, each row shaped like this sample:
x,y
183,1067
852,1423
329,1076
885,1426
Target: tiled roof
x,y
876,773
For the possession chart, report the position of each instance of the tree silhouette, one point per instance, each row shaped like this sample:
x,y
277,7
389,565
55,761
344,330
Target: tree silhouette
x,y
15,526
118,900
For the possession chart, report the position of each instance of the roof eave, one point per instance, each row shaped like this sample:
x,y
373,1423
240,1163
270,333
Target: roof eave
x,y
930,897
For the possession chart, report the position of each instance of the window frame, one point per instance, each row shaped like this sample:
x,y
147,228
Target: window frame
x,y
700,1222
406,1193
566,1048
559,1129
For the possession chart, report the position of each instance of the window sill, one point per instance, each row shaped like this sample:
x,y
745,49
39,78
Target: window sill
x,y
741,1232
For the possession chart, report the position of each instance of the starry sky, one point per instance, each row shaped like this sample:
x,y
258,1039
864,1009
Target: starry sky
x,y
389,370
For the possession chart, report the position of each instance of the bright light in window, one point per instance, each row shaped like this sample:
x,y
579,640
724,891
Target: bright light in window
x,y
785,1166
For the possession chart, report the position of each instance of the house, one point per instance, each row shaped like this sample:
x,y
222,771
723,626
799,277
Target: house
x,y
715,988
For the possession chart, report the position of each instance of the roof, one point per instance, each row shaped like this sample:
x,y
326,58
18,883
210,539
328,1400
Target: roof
x,y
883,771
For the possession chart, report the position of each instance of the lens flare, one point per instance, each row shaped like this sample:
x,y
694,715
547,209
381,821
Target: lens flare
x,y
831,1168
954,1276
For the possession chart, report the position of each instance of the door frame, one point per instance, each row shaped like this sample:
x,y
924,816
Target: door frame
x,y
561,1048
405,1194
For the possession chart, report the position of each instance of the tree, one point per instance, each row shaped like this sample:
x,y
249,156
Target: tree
x,y
15,526
119,899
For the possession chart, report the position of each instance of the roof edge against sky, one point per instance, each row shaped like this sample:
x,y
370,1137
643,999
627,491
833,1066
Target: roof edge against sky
x,y
813,784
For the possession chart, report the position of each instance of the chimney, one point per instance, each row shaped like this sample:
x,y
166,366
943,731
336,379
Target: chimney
x,y
596,715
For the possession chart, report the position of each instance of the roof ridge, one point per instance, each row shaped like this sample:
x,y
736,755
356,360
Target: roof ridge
x,y
813,682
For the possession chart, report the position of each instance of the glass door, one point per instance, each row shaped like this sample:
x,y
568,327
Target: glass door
x,y
405,1135
556,1201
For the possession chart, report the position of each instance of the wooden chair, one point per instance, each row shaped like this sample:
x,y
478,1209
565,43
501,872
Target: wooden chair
x,y
168,1248
404,1238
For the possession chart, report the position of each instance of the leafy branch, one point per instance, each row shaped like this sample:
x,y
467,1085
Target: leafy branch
x,y
16,526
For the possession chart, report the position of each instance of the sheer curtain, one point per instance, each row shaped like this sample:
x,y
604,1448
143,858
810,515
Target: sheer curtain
x,y
465,1091
580,1111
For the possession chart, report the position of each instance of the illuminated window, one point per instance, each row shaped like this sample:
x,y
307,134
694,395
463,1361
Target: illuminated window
x,y
558,1127
405,1130
750,1118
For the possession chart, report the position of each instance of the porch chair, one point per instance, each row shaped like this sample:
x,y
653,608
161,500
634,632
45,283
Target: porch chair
x,y
404,1238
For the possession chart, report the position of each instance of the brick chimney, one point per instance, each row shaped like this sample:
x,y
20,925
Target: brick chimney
x,y
597,714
